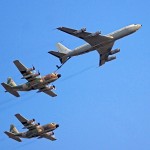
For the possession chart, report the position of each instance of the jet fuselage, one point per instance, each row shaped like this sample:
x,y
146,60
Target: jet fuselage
x,y
114,36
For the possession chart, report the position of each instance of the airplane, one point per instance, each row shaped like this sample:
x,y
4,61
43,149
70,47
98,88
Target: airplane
x,y
95,41
34,81
34,130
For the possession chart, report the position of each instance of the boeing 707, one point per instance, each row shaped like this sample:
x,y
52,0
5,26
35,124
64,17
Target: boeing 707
x,y
95,41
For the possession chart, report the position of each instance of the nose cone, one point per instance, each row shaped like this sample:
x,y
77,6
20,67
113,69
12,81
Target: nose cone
x,y
59,75
57,125
138,26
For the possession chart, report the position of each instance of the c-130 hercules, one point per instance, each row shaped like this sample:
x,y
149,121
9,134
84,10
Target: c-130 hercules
x,y
34,130
34,81
95,41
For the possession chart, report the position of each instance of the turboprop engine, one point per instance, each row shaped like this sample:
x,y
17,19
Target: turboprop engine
x,y
30,69
31,76
50,133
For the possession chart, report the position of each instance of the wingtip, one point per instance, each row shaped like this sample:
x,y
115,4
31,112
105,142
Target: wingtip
x,y
59,28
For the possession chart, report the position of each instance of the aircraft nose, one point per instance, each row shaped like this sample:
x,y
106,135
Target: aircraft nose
x,y
59,75
139,26
57,125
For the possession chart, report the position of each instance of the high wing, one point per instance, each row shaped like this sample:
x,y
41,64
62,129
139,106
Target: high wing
x,y
48,90
28,124
26,72
94,39
47,136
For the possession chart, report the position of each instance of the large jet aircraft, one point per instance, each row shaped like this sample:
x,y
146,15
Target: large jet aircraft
x,y
34,81
95,41
34,130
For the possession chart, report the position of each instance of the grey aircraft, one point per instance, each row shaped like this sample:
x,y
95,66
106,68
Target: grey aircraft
x,y
34,130
34,81
95,41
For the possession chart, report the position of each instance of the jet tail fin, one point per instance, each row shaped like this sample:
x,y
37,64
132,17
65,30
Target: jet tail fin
x,y
12,135
62,51
10,89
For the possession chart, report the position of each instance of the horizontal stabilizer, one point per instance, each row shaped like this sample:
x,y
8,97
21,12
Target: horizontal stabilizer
x,y
10,89
57,54
11,135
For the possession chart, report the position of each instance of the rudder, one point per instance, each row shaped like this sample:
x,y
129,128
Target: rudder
x,y
62,49
11,82
13,129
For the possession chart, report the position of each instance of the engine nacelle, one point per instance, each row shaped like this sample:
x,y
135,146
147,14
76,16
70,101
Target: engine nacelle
x,y
114,51
31,121
50,133
47,88
30,69
111,58
80,31
31,76
94,34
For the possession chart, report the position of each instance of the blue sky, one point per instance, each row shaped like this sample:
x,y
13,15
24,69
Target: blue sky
x,y
97,108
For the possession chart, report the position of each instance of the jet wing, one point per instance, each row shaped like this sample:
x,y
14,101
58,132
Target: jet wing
x,y
47,136
104,53
94,39
28,124
26,72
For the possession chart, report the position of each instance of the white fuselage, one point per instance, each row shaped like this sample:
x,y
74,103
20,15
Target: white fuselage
x,y
114,35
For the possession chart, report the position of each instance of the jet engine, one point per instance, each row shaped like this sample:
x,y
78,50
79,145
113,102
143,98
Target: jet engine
x,y
111,58
94,34
80,31
114,51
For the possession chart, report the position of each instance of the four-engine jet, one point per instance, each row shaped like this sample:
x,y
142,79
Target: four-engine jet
x,y
95,41
34,81
34,130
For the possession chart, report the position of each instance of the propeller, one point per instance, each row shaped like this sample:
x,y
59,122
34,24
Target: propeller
x,y
33,67
39,72
54,87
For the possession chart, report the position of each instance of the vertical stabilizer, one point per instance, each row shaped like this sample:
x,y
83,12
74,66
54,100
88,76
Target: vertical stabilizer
x,y
11,82
62,49
13,129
